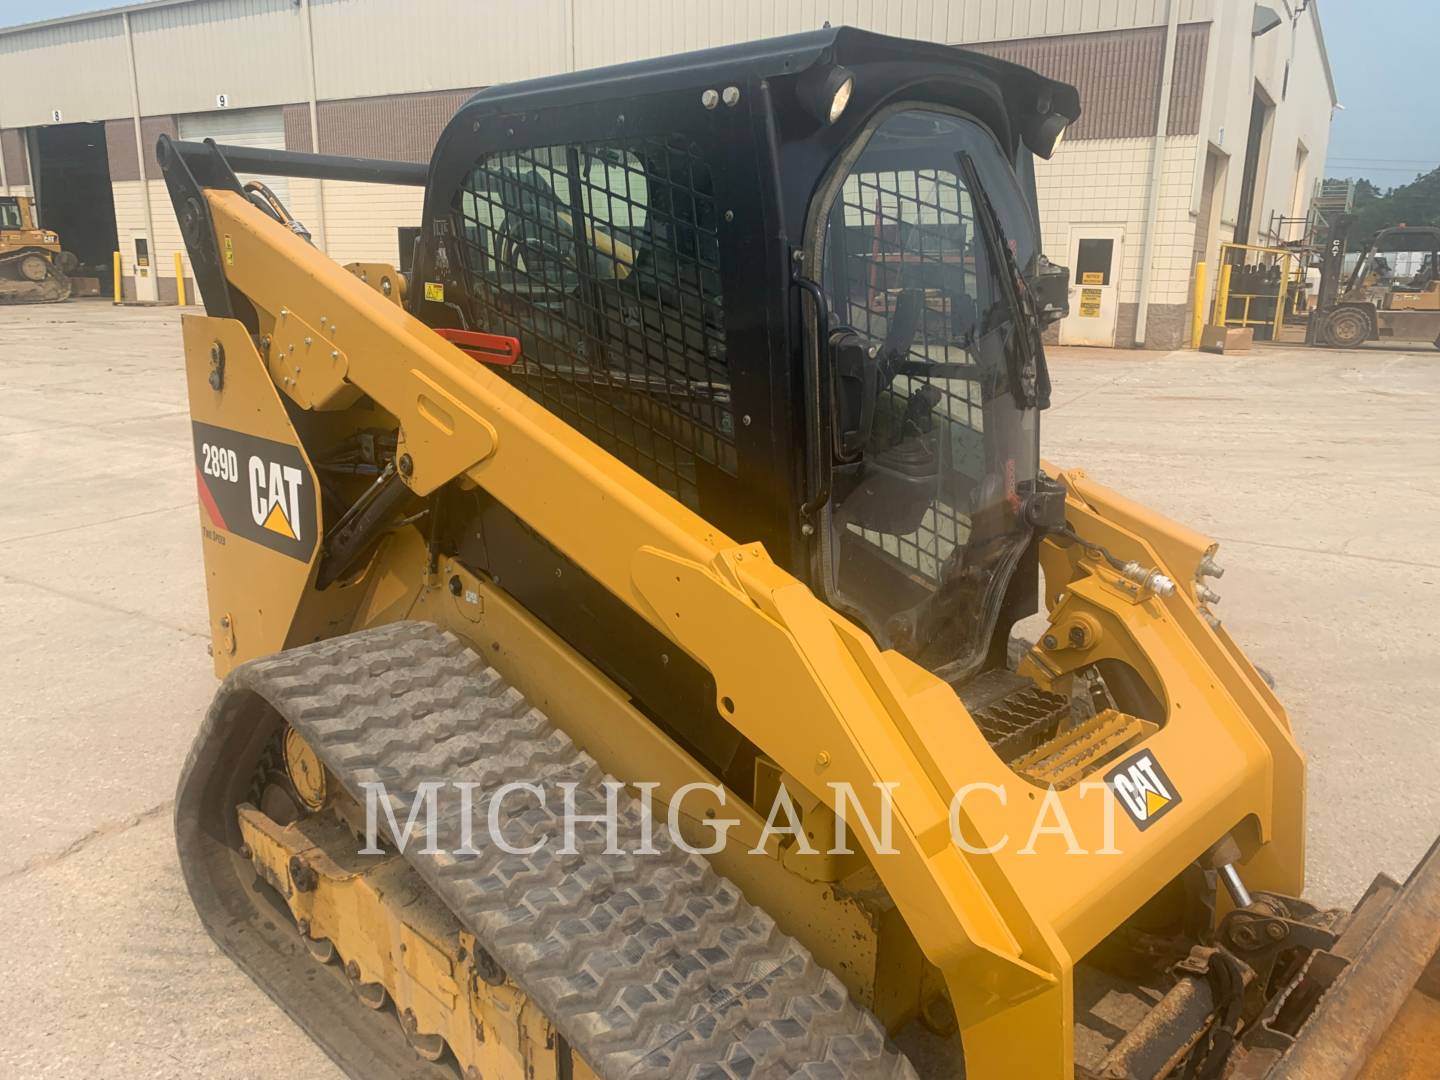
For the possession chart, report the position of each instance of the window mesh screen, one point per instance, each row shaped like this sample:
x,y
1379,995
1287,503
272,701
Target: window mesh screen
x,y
603,259
913,231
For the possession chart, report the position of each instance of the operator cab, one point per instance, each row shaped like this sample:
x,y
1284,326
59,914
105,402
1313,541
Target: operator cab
x,y
10,213
798,285
1399,260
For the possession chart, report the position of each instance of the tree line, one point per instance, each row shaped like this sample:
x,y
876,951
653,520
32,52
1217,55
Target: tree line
x,y
1415,203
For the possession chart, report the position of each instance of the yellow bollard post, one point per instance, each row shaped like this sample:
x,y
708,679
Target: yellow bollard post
x,y
1197,319
1280,298
179,280
1222,297
116,266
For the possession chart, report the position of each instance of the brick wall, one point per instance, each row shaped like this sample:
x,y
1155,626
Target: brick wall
x,y
12,145
400,127
120,145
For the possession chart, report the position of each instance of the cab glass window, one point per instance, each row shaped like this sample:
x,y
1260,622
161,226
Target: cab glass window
x,y
604,260
925,522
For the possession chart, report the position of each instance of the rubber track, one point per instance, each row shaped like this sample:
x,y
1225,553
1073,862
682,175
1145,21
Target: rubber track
x,y
649,965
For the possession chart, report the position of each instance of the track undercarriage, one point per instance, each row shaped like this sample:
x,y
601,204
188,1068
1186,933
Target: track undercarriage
x,y
650,965
32,277
369,919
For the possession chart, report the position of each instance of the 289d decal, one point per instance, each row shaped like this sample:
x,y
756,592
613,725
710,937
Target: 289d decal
x,y
257,489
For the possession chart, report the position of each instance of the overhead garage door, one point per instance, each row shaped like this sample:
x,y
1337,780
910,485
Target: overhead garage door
x,y
262,128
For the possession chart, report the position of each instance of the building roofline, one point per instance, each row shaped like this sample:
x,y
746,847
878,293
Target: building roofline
x,y
92,16
152,5
1324,52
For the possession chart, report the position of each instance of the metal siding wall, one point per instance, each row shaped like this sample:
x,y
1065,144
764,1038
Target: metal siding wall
x,y
78,68
614,31
250,50
253,50
1187,91
369,47
1118,76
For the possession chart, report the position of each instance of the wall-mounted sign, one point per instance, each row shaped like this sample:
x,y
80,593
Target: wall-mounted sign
x,y
222,101
1089,303
55,116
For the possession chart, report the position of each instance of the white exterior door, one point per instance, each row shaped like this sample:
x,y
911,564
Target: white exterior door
x,y
260,128
1096,257
147,288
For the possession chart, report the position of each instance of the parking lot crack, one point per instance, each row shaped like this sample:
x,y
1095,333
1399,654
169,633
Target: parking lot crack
x,y
100,832
99,521
115,609
1338,554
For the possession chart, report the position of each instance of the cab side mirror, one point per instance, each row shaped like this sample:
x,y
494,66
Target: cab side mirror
x,y
1050,286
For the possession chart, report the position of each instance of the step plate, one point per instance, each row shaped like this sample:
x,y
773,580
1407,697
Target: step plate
x,y
1080,750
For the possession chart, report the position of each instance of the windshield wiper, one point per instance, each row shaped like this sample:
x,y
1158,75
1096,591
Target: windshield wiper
x,y
1029,381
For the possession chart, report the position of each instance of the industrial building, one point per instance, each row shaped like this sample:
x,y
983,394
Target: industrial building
x,y
1204,120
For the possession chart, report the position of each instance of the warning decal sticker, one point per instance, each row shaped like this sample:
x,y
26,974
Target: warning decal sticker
x,y
255,488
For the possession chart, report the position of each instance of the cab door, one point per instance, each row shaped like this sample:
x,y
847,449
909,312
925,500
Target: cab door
x,y
1097,254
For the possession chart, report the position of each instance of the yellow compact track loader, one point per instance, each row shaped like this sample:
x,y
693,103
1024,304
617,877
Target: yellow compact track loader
x,y
615,612
33,268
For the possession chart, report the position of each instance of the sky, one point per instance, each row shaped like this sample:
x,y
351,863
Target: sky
x,y
1382,53
15,12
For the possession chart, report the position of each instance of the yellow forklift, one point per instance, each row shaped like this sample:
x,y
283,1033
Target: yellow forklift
x,y
1391,294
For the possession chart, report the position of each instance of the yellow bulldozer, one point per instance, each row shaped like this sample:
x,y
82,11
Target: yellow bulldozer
x,y
33,267
616,613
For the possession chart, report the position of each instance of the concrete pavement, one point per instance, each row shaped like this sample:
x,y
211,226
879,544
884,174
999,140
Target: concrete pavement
x,y
1319,473
1316,470
104,970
